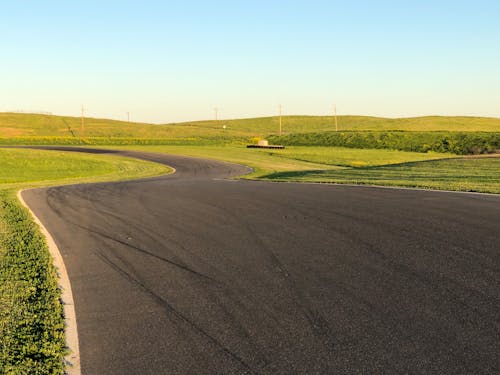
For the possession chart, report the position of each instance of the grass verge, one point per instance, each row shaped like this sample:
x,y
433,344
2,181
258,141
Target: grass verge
x,y
31,313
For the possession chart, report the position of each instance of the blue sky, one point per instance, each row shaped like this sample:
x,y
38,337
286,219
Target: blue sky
x,y
167,61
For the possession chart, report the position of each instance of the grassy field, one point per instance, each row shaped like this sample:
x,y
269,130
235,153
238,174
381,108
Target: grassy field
x,y
353,166
31,314
264,126
34,125
292,158
475,175
349,157
23,167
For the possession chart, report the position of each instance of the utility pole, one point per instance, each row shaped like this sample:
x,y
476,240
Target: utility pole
x,y
128,116
216,110
335,117
280,121
83,122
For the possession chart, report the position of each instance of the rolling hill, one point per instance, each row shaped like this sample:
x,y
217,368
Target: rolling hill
x,y
40,125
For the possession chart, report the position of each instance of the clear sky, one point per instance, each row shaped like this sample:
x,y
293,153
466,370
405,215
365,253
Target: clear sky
x,y
167,61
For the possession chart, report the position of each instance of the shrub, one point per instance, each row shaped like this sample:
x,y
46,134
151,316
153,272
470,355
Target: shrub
x,y
32,324
455,142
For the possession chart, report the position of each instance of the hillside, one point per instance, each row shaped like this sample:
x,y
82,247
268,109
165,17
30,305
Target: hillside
x,y
306,124
35,125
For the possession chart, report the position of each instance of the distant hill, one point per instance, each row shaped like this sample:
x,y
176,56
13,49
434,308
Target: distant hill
x,y
35,125
306,124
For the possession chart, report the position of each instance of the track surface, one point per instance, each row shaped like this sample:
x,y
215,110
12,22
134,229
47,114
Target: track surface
x,y
193,274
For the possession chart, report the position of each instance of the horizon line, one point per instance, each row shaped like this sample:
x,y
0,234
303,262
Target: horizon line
x,y
47,113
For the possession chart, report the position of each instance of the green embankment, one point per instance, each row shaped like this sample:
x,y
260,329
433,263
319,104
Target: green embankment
x,y
31,314
34,168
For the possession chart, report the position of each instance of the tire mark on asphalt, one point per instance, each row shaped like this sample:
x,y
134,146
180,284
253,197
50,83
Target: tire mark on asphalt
x,y
133,247
316,321
488,261
483,320
172,310
145,252
404,270
224,288
259,360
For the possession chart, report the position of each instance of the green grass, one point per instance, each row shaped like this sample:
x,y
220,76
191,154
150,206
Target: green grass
x,y
475,175
353,166
291,159
294,158
31,314
31,168
305,124
349,157
34,125
261,161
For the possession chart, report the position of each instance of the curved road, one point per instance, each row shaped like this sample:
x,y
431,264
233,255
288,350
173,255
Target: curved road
x,y
195,274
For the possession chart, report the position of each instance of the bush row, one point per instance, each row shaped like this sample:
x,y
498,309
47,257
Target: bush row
x,y
461,143
73,141
31,315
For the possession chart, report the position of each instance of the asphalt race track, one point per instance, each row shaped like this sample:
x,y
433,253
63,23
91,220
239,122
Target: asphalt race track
x,y
194,273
